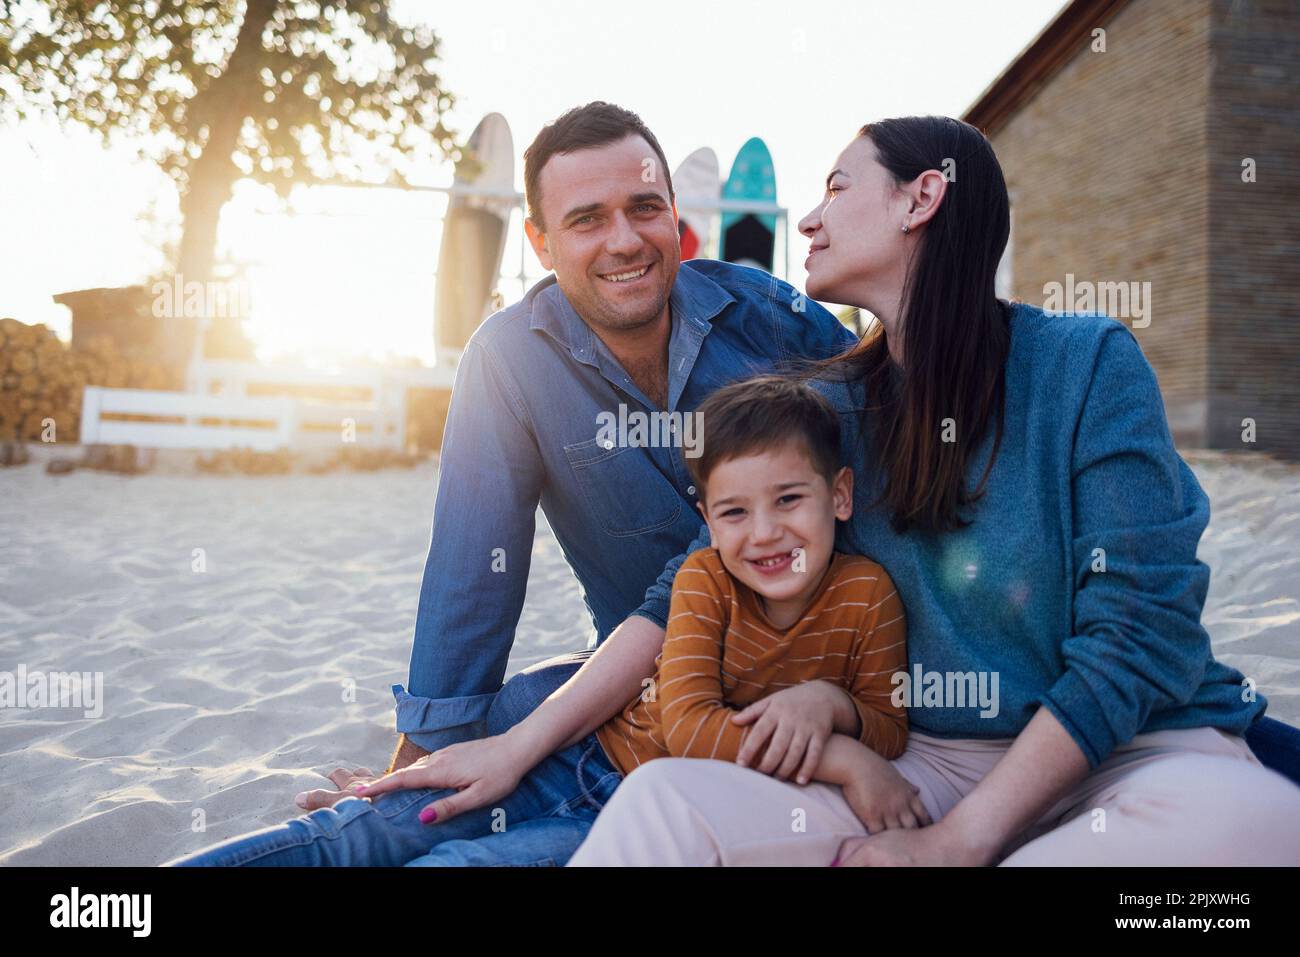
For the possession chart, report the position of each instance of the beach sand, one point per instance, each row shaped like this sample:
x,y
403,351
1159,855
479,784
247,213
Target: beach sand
x,y
228,690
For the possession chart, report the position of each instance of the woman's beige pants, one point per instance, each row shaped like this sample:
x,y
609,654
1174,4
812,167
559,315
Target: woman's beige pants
x,y
1187,797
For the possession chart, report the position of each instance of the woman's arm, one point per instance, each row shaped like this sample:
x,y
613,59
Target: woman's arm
x,y
1042,764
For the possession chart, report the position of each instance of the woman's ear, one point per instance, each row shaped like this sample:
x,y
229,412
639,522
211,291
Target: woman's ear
x,y
842,494
925,195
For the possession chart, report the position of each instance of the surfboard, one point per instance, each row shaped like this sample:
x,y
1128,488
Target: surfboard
x,y
695,185
749,238
473,237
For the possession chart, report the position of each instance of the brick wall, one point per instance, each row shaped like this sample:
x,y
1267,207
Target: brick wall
x,y
1107,165
1254,340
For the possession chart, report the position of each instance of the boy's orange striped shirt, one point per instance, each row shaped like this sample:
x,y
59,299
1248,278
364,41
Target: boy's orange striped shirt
x,y
721,654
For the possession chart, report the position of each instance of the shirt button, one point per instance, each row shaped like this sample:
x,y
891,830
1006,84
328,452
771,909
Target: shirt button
x,y
690,490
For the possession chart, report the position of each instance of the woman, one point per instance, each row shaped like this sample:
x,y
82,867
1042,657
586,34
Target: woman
x,y
1016,476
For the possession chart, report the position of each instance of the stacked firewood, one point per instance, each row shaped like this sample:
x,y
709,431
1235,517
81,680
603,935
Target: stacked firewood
x,y
42,380
426,417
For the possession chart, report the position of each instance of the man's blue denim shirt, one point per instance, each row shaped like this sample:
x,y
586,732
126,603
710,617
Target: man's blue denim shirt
x,y
522,430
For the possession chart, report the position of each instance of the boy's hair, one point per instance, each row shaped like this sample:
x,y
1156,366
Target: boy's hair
x,y
762,413
583,127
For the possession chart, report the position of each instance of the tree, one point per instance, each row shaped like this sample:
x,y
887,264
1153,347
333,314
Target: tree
x,y
282,91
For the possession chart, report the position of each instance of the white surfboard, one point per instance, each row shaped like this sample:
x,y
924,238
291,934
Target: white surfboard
x,y
696,182
474,237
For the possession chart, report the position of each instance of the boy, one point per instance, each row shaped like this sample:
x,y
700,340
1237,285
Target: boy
x,y
778,650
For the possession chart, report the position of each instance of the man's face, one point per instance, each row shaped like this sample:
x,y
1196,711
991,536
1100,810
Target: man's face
x,y
611,233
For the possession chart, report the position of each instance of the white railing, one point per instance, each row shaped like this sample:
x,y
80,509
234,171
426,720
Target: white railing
x,y
179,420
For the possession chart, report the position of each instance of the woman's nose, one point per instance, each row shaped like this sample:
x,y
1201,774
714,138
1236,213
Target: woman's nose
x,y
811,223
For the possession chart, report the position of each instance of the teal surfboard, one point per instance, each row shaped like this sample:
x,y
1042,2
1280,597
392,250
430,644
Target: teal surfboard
x,y
750,238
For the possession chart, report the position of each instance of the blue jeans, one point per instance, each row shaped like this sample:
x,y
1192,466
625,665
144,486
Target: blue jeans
x,y
541,823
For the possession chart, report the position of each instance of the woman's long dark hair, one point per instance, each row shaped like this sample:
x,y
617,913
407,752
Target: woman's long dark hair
x,y
955,331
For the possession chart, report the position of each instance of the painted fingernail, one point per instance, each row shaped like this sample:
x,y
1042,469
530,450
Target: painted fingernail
x,y
300,799
428,815
359,788
835,863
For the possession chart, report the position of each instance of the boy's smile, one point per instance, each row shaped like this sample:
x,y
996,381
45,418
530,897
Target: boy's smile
x,y
772,515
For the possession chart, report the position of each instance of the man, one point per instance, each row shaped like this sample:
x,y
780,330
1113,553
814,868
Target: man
x,y
622,330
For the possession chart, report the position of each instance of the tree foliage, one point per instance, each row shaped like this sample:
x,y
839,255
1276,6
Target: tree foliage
x,y
283,91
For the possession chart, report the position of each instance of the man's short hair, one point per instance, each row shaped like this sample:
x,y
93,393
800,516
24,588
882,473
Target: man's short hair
x,y
583,127
765,412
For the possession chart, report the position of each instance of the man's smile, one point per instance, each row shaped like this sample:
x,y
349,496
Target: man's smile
x,y
625,276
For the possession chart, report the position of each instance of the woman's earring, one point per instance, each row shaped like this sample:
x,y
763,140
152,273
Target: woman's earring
x,y
906,228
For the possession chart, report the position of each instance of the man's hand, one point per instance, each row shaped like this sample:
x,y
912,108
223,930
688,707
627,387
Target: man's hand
x,y
794,724
324,797
481,771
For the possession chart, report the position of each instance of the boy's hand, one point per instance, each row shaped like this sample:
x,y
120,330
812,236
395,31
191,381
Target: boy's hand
x,y
794,724
881,797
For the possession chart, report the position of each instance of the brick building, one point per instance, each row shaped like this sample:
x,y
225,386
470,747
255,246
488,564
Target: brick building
x,y
1158,142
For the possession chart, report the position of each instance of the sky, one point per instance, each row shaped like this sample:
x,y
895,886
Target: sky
x,y
351,271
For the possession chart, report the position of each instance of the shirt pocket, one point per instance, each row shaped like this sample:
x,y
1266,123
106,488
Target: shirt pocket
x,y
625,492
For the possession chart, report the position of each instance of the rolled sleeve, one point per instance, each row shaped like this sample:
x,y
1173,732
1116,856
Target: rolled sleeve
x,y
433,723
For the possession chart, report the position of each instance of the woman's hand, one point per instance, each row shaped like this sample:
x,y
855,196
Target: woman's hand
x,y
934,846
882,798
794,724
481,771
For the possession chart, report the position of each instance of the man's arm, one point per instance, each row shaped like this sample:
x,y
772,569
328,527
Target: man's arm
x,y
490,478
658,596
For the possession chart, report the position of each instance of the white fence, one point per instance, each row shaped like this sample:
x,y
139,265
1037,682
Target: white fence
x,y
180,420
330,408
261,407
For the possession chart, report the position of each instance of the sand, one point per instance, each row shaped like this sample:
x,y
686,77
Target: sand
x,y
226,691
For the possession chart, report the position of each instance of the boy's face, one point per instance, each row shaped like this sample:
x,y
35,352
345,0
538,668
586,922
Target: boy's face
x,y
772,517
